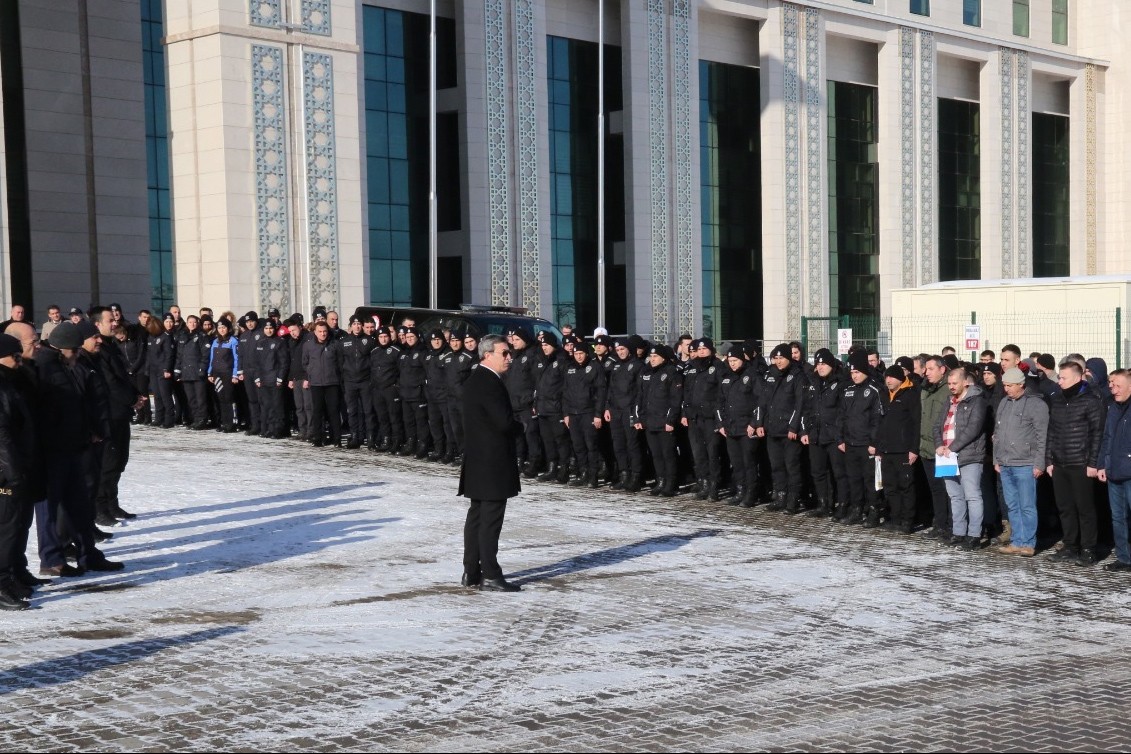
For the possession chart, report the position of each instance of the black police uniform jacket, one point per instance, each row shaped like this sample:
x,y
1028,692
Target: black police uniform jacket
x,y
191,363
584,391
135,349
899,428
551,383
162,352
490,457
782,400
521,379
273,361
821,420
659,398
435,384
457,370
701,388
384,366
740,394
624,384
248,340
355,358
123,394
411,376
860,412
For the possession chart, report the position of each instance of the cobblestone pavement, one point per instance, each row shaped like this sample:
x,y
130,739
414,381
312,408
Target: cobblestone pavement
x,y
295,600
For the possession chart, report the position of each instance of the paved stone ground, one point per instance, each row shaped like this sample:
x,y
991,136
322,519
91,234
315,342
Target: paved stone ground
x,y
308,601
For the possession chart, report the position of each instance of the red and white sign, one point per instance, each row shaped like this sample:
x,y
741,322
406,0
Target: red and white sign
x,y
973,337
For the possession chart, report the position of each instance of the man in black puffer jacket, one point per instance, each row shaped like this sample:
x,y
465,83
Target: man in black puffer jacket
x,y
819,432
1076,427
521,380
897,444
782,411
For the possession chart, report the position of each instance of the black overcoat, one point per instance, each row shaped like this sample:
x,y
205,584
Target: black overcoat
x,y
490,459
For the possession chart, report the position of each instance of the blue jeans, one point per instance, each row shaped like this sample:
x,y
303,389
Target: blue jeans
x,y
966,501
1020,490
1119,496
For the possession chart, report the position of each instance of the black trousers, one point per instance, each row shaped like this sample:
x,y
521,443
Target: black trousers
x,y
271,409
437,418
827,464
706,448
583,437
556,440
860,469
744,467
785,464
304,409
481,538
68,506
455,421
940,501
1075,501
662,445
359,407
224,391
164,413
141,383
254,417
414,414
325,403
196,393
115,456
627,443
390,423
529,442
899,487
14,523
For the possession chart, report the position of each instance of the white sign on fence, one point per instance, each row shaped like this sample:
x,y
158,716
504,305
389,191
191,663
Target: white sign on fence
x,y
843,340
973,337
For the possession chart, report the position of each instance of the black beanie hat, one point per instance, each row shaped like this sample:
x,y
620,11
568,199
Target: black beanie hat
x,y
895,372
993,367
251,317
65,335
951,361
635,342
736,352
859,362
1047,361
268,323
782,349
548,338
87,329
825,356
225,322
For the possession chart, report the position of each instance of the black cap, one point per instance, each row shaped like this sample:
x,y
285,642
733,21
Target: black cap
x,y
272,312
115,307
297,319
603,340
9,346
572,340
1046,360
521,332
225,322
75,310
635,342
251,317
859,362
65,335
268,323
736,352
319,311
169,316
356,319
951,361
992,367
782,349
703,343
548,338
907,363
825,356
895,372
664,352
436,335
409,330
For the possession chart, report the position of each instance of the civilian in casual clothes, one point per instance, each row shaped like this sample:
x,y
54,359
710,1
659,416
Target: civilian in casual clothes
x,y
1020,432
961,431
897,444
1115,466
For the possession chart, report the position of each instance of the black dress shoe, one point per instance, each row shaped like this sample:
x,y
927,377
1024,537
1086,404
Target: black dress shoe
x,y
9,602
102,536
25,578
105,565
119,512
498,585
61,570
472,581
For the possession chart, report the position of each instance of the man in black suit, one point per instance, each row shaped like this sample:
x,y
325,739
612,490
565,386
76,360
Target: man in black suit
x,y
489,474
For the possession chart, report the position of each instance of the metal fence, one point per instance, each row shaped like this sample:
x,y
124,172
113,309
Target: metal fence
x,y
1093,333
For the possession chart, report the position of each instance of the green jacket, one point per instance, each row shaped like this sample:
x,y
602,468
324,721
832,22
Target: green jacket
x,y
933,400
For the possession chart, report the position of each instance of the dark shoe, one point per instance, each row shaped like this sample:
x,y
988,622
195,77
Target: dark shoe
x,y
700,489
1118,565
1066,554
563,475
457,459
712,492
353,444
778,504
657,489
620,482
10,602
471,581
668,489
633,483
738,496
579,481
823,509
792,504
591,480
13,588
408,449
105,519
550,474
905,528
498,585
105,565
530,470
61,570
24,577
422,453
969,544
1087,558
101,536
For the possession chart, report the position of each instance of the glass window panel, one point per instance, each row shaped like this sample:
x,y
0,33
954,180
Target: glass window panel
x,y
972,12
1060,22
921,7
398,181
1021,18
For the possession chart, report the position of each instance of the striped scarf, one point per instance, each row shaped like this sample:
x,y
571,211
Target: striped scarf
x,y
948,425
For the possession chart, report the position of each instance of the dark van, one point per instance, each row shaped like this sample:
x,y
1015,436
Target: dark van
x,y
481,320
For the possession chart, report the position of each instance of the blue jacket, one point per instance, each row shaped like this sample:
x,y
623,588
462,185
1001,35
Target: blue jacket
x,y
217,363
1115,449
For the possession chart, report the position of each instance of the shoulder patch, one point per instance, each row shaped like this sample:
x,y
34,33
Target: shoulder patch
x,y
867,392
663,377
588,368
711,370
789,378
746,379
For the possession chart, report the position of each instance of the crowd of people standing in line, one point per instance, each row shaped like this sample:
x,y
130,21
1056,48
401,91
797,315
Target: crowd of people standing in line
x,y
967,453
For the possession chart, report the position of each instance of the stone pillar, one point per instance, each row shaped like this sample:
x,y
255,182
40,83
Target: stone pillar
x,y
475,140
266,154
995,113
1082,172
897,167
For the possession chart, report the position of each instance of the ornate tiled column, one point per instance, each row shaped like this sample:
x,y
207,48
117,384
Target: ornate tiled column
x,y
1005,169
266,153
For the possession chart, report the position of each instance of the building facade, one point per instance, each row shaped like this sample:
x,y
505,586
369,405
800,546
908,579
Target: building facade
x,y
764,161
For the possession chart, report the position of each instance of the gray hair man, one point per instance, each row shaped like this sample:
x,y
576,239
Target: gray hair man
x,y
1020,431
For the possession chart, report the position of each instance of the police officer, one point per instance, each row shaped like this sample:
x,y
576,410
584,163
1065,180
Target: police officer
x,y
520,380
740,394
272,368
583,404
161,357
624,383
191,368
356,348
248,340
411,379
820,434
657,413
460,362
860,414
436,393
222,367
548,407
701,377
605,356
897,444
782,407
384,365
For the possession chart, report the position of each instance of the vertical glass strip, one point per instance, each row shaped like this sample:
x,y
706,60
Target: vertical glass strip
x,y
163,285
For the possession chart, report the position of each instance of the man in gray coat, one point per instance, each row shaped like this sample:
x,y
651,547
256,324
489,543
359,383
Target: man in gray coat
x,y
960,430
1020,431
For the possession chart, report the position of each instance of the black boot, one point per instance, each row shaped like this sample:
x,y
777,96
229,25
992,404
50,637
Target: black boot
x,y
778,504
739,494
550,474
632,483
873,519
713,492
700,489
408,449
822,509
792,503
563,474
620,482
592,481
530,470
668,489
580,480
657,488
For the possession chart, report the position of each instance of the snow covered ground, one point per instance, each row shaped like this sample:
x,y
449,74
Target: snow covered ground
x,y
281,598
